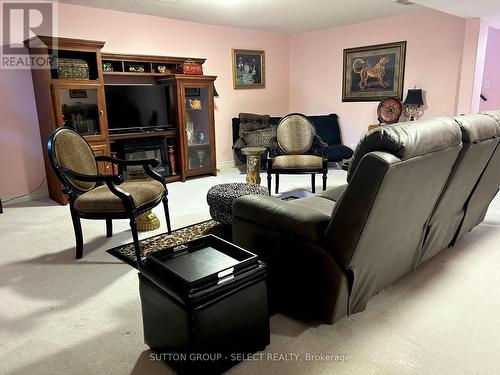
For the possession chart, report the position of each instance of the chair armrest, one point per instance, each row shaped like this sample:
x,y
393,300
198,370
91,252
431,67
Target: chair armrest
x,y
146,164
109,159
281,217
111,180
321,146
116,179
334,193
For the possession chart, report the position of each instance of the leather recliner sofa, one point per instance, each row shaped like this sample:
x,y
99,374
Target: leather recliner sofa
x,y
329,254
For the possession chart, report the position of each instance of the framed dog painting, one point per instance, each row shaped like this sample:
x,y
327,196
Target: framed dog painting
x,y
373,73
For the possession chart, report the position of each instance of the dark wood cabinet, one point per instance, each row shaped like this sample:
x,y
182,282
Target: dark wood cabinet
x,y
80,103
195,116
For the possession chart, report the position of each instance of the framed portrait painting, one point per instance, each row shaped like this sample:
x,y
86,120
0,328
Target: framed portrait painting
x,y
249,69
373,73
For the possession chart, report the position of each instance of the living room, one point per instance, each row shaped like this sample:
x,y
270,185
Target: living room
x,y
66,315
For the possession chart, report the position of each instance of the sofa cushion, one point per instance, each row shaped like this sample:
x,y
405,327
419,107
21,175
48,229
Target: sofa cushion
x,y
281,216
408,139
477,127
317,203
338,152
334,193
494,114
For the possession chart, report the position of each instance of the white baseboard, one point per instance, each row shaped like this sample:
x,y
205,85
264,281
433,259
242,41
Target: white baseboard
x,y
37,195
229,166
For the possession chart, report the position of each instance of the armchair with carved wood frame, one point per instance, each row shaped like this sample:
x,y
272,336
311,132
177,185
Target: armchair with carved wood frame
x,y
297,149
103,196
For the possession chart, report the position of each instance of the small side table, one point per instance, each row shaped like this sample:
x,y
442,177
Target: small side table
x,y
253,163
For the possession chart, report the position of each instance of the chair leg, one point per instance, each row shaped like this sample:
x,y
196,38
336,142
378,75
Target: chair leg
x,y
324,180
109,228
135,236
167,214
269,182
313,182
77,226
277,187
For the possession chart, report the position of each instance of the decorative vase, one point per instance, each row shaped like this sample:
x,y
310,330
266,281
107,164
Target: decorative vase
x,y
200,153
200,136
189,132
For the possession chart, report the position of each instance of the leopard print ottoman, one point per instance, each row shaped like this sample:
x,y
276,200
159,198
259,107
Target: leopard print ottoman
x,y
220,199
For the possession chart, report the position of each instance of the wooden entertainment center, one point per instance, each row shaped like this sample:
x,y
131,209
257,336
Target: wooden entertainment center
x,y
187,143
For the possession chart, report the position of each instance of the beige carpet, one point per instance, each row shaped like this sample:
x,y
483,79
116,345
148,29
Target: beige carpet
x,y
61,316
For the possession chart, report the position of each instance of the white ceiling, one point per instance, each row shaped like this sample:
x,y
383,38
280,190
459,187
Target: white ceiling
x,y
487,9
284,16
292,16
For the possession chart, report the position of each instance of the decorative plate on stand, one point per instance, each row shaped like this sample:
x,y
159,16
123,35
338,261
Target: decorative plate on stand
x,y
389,110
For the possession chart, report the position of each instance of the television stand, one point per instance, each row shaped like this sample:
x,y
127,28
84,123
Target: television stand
x,y
58,90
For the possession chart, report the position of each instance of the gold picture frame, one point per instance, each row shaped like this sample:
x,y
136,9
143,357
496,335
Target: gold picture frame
x,y
249,69
373,73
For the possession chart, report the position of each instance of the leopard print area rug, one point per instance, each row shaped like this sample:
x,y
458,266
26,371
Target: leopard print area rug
x,y
126,252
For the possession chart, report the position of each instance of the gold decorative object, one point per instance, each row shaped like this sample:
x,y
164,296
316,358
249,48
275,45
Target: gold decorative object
x,y
253,163
147,221
194,103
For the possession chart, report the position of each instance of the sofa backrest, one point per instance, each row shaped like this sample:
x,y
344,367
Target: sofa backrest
x,y
378,224
480,137
485,190
327,127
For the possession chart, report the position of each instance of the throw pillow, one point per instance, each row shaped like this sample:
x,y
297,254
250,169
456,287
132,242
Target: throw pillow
x,y
260,137
252,121
239,144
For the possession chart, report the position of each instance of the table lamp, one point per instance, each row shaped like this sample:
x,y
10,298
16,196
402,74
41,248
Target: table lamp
x,y
413,102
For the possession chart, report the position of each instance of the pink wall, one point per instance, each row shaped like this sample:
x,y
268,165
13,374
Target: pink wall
x,y
433,56
21,160
139,34
474,51
303,73
492,71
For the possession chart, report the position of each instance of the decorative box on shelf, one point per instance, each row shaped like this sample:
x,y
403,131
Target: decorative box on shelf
x,y
190,67
71,68
136,68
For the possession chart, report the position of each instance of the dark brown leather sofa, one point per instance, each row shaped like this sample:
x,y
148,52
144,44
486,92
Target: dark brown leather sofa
x,y
410,189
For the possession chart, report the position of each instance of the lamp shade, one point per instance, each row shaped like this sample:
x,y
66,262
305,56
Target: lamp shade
x,y
414,97
216,94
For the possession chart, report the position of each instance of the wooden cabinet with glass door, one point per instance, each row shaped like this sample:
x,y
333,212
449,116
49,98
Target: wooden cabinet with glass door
x,y
70,93
196,101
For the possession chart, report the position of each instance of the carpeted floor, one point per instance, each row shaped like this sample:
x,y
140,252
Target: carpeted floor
x,y
61,316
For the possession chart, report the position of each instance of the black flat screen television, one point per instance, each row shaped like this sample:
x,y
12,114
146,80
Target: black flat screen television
x,y
136,108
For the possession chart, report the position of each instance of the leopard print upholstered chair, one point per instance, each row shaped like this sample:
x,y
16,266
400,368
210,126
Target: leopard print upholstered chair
x,y
93,195
297,149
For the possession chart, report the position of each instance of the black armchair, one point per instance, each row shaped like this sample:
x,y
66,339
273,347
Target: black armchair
x,y
297,149
102,196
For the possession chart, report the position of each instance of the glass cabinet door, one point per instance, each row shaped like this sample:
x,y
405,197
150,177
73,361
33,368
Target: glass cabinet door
x,y
78,109
198,128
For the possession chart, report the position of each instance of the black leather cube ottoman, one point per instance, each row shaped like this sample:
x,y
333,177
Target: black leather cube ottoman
x,y
203,303
220,198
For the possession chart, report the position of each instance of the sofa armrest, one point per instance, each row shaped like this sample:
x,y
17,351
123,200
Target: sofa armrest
x,y
281,217
334,193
